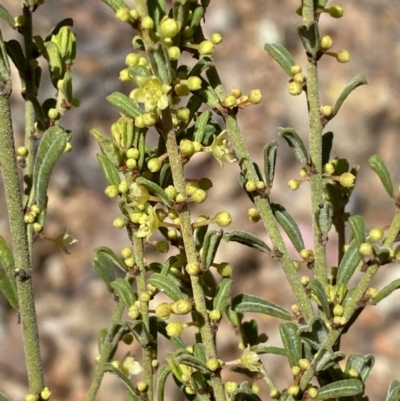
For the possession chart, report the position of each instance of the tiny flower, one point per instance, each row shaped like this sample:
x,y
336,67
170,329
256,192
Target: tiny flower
x,y
129,262
229,101
305,281
132,153
326,111
134,14
139,193
22,151
132,59
186,147
183,114
294,184
31,397
296,370
111,191
130,366
347,180
133,312
154,165
338,310
304,363
126,252
255,96
145,297
312,392
174,52
199,196
147,23
352,373
216,38
230,387
250,360
376,234
250,186
123,14
182,89
213,364
142,386
152,93
220,148
366,249
175,329
68,147
275,394
171,191
293,390
215,315
299,78
329,168
45,394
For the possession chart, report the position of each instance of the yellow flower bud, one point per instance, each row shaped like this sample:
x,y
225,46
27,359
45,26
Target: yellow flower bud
x,y
181,307
295,88
223,219
294,184
347,180
175,329
206,48
325,43
343,56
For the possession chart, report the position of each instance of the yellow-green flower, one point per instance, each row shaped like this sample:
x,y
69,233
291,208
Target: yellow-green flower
x,y
250,360
220,148
139,194
131,367
152,93
149,223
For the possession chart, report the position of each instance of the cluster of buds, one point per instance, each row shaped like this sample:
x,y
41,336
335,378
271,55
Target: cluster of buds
x,y
31,217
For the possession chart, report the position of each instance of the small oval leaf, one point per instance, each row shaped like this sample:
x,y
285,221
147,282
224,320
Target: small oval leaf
x,y
163,372
320,295
140,332
250,303
348,264
327,142
358,228
157,190
160,62
339,389
363,365
379,166
6,16
211,243
309,36
200,126
124,291
50,149
281,56
386,291
125,105
223,294
393,391
291,342
269,153
248,239
167,285
8,285
295,142
109,170
112,257
353,84
103,268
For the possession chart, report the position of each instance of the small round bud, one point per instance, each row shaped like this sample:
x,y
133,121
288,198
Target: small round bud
x,y
193,268
133,312
329,168
131,164
175,329
19,21
295,88
169,28
371,292
183,114
162,246
111,191
145,297
154,363
296,370
35,209
250,186
304,363
174,52
172,234
353,373
199,196
53,114
215,315
326,111
206,48
325,43
22,151
299,78
45,394
295,309
31,397
147,22
295,69
163,311
255,96
132,59
132,153
29,218
294,184
223,219
134,14
128,339
123,187
255,388
366,249
194,83
116,364
307,254
312,392
68,147
181,307
229,101
216,38
253,212
213,364
297,265
142,386
123,14
230,387
305,280
186,147
119,222
343,56
187,32
274,394
129,262
154,165
336,11
293,390
182,89
171,191
37,228
376,234
338,310
347,180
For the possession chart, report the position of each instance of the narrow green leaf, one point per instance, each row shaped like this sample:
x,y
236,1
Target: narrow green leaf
x,y
250,303
248,239
289,225
269,153
386,291
160,62
315,333
327,142
309,36
197,17
242,395
281,56
163,372
110,150
181,11
103,268
353,84
223,294
339,389
167,285
324,216
124,291
40,117
295,142
101,339
200,126
320,295
393,391
56,63
200,352
358,228
116,4
264,349
50,149
210,246
156,9
348,264
291,342
112,257
109,170
8,285
108,367
379,166
158,191
363,365
140,332
207,94
56,29
125,105
192,361
6,16
326,358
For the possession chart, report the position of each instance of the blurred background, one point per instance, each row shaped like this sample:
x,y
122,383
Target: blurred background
x,y
73,304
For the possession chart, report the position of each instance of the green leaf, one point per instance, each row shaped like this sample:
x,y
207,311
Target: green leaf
x,y
156,9
104,269
109,170
320,295
140,332
125,105
192,361
295,142
200,126
264,349
112,257
244,393
353,84
8,285
3,397
207,94
124,291
50,149
210,247
324,217
116,4
223,294
108,367
56,63
386,291
363,364
101,339
326,358
289,225
167,285
56,29
250,303
269,153
315,333
358,228
281,56
327,142
339,389
158,191
291,342
200,352
309,36
163,372
15,52
160,62
379,166
40,117
110,150
348,264
393,391
250,333
248,239
6,16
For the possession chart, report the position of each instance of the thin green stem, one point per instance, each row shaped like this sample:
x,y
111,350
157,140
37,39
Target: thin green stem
x,y
19,237
105,353
190,250
317,192
144,310
269,220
